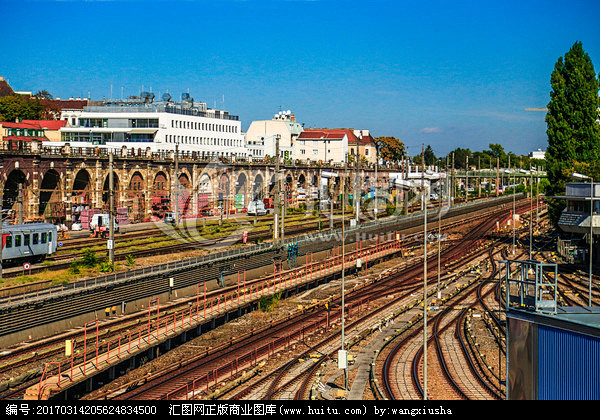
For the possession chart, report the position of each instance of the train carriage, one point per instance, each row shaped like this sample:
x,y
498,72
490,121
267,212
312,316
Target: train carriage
x,y
30,242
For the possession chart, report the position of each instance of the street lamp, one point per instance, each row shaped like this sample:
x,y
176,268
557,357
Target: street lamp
x,y
514,186
576,175
530,212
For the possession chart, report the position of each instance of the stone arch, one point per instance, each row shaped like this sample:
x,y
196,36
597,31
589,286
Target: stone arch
x,y
11,189
257,187
182,194
106,190
136,197
81,188
205,194
223,188
288,188
301,180
51,204
241,185
160,201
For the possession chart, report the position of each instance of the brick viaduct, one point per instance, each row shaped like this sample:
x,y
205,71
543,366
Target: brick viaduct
x,y
57,182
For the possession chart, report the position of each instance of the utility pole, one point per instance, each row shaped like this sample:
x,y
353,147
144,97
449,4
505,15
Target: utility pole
x,y
531,214
276,198
467,182
176,186
20,204
284,211
439,293
424,198
453,180
497,177
357,181
343,347
514,215
479,176
405,193
376,183
1,223
111,211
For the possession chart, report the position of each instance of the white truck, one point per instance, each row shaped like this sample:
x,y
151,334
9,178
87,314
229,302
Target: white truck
x,y
99,225
256,208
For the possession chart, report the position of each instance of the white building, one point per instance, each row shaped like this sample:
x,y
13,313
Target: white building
x,y
160,126
261,136
322,145
537,154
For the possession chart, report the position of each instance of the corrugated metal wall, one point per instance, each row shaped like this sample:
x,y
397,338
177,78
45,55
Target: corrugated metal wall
x,y
568,365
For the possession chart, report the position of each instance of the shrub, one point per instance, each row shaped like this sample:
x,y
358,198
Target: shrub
x,y
106,267
89,258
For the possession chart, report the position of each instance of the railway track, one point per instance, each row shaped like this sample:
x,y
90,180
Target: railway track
x,y
387,290
157,242
185,387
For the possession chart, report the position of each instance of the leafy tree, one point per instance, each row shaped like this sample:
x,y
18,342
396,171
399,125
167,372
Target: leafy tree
x,y
44,94
18,107
50,110
460,158
390,149
573,133
430,158
483,159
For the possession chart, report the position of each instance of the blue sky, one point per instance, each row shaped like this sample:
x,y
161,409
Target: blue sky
x,y
446,73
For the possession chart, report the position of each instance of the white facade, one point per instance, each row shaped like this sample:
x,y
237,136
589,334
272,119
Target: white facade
x,y
161,126
537,154
261,136
325,146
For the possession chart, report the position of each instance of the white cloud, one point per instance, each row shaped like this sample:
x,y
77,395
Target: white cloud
x,y
430,130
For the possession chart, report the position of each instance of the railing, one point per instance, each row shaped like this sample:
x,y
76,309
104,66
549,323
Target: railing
x,y
351,234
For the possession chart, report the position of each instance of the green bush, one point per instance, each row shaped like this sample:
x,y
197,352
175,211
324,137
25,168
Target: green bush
x,y
268,303
106,267
74,269
89,258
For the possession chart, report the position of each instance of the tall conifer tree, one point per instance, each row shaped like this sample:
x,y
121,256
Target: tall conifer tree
x,y
572,127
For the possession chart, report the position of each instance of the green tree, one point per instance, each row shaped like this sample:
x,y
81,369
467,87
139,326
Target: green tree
x,y
390,149
460,158
430,158
573,133
18,107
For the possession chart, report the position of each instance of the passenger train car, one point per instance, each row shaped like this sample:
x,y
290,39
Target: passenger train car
x,y
30,242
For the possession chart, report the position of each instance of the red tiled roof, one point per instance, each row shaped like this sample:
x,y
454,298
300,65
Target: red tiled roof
x,y
5,89
337,133
20,125
326,134
71,103
47,124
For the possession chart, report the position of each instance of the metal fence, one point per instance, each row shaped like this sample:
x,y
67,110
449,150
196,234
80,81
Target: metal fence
x,y
306,240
